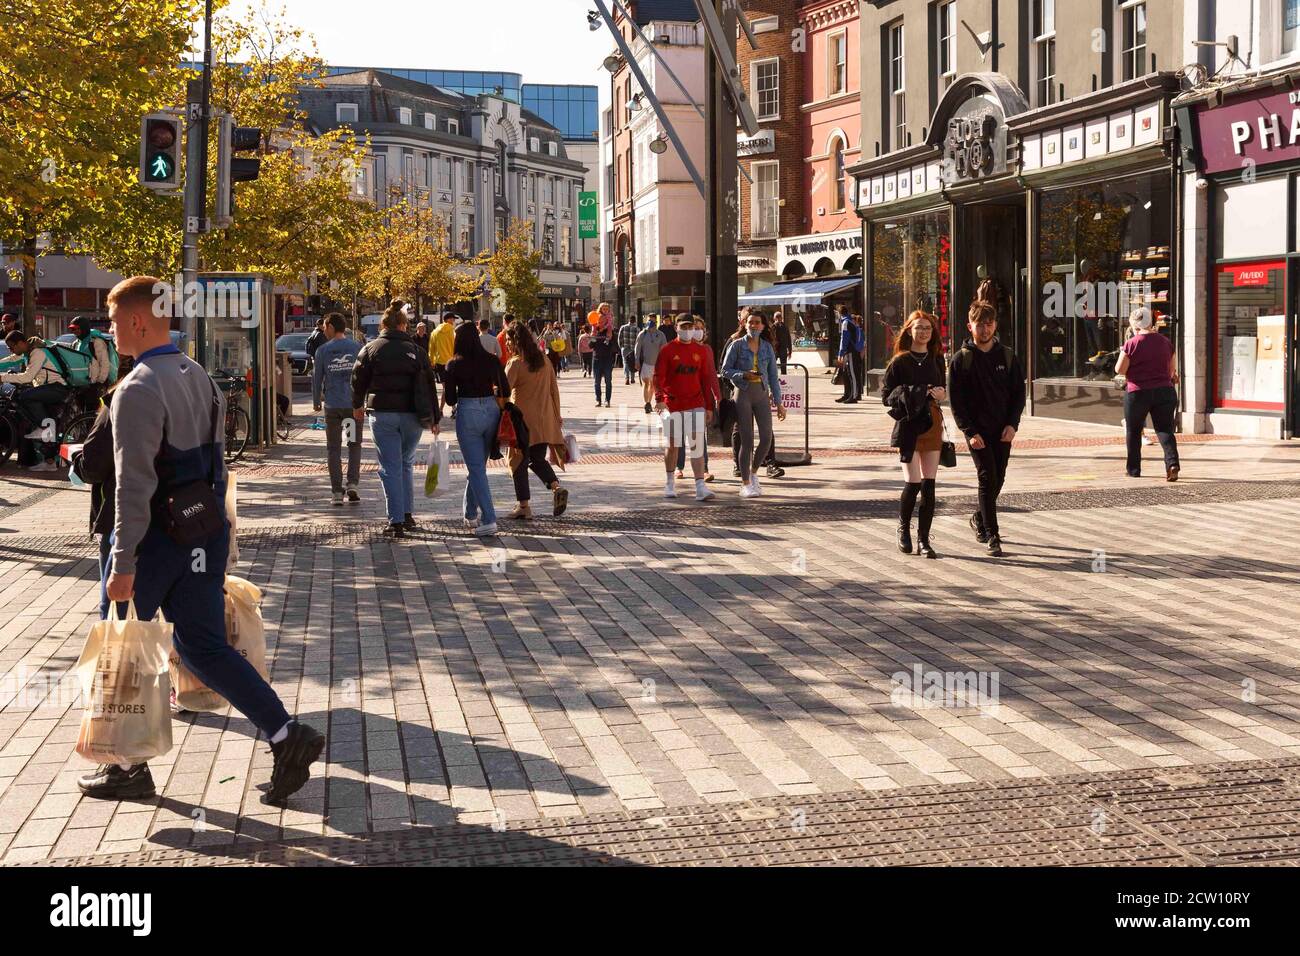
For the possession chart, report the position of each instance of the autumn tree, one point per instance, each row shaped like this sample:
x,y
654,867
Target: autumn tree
x,y
513,269
75,79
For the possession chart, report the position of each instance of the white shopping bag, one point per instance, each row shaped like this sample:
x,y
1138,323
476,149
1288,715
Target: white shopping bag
x,y
573,452
437,471
125,690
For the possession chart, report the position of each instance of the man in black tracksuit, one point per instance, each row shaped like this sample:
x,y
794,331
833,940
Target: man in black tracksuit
x,y
986,386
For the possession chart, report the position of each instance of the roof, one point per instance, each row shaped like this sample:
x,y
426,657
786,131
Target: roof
x,y
681,10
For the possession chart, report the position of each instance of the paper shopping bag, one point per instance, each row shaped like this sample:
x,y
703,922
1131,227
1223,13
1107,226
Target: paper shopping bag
x,y
435,478
125,690
245,632
571,447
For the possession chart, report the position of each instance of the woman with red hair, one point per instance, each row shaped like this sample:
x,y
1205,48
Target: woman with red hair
x,y
915,384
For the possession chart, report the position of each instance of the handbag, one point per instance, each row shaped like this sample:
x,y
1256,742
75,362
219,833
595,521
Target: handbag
x,y
840,375
948,450
192,513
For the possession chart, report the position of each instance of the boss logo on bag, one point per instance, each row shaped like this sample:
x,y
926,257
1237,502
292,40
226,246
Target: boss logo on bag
x,y
193,510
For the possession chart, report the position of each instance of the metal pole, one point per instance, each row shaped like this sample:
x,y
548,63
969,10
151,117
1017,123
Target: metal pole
x,y
654,101
199,97
723,200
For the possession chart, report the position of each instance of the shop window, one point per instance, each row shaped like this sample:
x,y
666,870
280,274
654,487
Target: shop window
x,y
1103,250
1249,224
1250,335
911,269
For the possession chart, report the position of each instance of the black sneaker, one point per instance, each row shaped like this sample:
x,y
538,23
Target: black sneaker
x,y
293,759
409,523
353,496
995,547
111,782
977,525
648,409
775,471
395,531
735,472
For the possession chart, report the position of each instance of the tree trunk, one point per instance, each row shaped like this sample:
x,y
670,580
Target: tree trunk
x,y
29,285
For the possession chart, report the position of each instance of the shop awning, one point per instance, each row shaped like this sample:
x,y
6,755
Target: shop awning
x,y
799,293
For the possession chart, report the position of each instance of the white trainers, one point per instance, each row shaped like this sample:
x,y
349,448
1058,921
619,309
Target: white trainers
x,y
486,530
753,483
338,499
44,466
702,491
36,434
748,491
670,487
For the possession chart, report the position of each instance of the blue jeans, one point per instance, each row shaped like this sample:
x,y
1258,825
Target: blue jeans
x,y
195,604
604,372
397,438
477,420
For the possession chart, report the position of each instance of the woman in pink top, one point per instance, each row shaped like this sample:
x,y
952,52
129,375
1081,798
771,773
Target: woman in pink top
x,y
1147,360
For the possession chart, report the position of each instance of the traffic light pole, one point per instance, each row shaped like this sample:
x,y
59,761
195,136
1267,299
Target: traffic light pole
x,y
723,212
197,110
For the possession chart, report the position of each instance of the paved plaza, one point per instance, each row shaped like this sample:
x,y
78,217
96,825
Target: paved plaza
x,y
645,681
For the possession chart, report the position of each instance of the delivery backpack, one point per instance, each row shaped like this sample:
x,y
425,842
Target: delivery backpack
x,y
110,345
74,364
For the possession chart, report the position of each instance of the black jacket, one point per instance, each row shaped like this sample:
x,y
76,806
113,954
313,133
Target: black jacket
x,y
95,467
906,393
393,375
784,344
315,341
603,349
986,390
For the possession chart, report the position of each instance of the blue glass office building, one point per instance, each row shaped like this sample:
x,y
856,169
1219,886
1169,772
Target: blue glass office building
x,y
570,109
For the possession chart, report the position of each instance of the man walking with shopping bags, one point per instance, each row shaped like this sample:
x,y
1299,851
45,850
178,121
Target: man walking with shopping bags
x,y
171,538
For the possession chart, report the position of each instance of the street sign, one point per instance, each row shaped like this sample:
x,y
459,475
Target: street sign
x,y
588,216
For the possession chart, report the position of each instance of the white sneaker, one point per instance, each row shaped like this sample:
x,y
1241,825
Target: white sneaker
x,y
470,523
486,530
748,491
670,487
45,466
753,483
36,434
338,499
702,491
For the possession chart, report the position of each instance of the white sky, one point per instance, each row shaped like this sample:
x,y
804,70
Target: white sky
x,y
547,41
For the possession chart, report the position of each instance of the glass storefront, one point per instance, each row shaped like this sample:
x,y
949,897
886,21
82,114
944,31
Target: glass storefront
x,y
1103,250
1250,334
911,268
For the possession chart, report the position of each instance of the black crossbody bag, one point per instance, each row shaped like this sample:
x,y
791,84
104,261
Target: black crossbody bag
x,y
192,513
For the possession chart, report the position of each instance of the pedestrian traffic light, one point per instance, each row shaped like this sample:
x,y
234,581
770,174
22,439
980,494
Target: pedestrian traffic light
x,y
231,169
160,152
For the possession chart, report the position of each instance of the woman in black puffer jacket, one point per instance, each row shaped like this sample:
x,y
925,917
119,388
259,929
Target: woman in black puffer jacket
x,y
393,381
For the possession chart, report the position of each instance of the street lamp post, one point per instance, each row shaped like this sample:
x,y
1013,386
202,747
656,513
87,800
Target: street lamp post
x,y
722,222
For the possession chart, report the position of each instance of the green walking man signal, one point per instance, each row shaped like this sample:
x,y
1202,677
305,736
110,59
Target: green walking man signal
x,y
160,152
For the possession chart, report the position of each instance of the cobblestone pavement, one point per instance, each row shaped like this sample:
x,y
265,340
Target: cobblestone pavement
x,y
641,659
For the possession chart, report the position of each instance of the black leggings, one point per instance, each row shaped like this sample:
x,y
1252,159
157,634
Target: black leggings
x,y
536,460
991,468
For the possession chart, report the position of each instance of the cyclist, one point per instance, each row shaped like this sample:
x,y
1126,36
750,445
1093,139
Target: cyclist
x,y
41,400
102,352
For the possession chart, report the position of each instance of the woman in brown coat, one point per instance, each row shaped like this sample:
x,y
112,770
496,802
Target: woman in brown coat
x,y
536,391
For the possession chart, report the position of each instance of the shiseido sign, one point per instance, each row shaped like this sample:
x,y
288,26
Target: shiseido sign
x,y
1256,130
975,146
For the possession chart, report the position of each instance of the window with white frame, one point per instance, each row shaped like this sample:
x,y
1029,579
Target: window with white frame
x,y
1044,28
1290,26
530,187
426,171
444,172
453,126
837,169
430,121
467,177
837,62
467,234
404,115
548,191
1133,33
346,113
765,24
564,254
534,144
897,86
765,202
765,82
553,148
946,25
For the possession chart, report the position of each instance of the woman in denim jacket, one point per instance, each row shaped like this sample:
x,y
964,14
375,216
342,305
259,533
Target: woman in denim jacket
x,y
750,365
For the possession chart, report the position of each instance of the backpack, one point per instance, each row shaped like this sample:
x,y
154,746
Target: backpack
x,y
72,364
112,352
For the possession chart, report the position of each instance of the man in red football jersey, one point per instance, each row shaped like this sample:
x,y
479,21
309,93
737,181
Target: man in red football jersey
x,y
686,397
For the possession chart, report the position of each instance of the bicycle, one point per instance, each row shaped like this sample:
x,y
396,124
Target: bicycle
x,y
72,423
238,425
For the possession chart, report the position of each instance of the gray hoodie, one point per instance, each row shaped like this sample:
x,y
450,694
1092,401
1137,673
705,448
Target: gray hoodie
x,y
648,344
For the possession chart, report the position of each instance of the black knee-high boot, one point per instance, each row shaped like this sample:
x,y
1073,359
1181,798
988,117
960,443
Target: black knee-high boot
x,y
906,504
924,519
